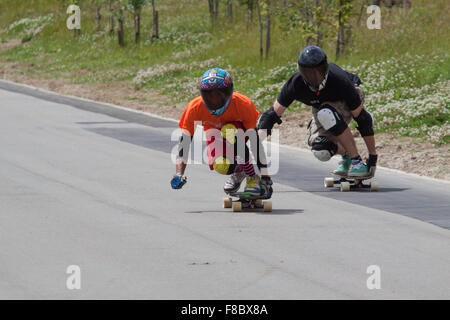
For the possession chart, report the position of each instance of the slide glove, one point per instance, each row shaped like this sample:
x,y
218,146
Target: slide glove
x,y
178,181
372,163
267,183
267,120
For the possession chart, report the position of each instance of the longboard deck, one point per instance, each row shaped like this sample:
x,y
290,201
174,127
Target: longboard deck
x,y
351,178
247,201
247,196
348,183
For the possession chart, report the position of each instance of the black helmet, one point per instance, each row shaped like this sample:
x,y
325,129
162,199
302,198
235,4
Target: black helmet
x,y
313,67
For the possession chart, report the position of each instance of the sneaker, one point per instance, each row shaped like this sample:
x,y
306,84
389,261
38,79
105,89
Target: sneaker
x,y
343,166
252,185
233,182
359,169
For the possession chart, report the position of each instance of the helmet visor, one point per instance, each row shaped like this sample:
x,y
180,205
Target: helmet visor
x,y
313,76
214,99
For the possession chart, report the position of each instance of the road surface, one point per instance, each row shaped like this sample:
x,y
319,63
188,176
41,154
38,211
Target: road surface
x,y
87,184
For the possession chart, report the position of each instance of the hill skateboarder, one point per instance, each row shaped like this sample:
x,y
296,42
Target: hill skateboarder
x,y
336,99
229,119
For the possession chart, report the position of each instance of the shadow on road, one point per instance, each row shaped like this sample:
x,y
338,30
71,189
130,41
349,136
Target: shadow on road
x,y
257,211
336,189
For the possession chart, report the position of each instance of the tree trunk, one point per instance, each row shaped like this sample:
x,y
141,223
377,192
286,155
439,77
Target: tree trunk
x,y
348,34
340,38
98,18
268,32
137,27
250,8
120,34
155,34
216,11
211,12
111,18
363,4
309,18
230,12
318,25
261,50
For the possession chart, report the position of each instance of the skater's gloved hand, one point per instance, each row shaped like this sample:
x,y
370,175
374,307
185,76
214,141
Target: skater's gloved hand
x,y
178,181
372,160
266,180
372,163
267,120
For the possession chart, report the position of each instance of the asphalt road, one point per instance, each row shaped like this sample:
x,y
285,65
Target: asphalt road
x,y
88,185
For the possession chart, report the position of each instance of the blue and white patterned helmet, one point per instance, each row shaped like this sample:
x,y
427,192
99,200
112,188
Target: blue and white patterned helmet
x,y
216,89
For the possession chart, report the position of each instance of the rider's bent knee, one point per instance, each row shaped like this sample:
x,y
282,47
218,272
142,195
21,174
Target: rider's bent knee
x,y
331,120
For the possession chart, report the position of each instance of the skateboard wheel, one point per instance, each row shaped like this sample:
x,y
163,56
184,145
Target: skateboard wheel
x,y
328,182
258,202
374,186
345,186
267,206
237,206
227,202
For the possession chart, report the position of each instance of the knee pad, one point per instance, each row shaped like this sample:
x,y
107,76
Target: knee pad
x,y
365,123
223,166
228,132
331,120
323,148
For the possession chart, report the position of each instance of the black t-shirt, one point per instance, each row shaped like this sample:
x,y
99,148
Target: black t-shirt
x,y
340,86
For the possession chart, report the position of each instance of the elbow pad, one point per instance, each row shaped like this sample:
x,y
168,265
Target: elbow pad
x,y
365,123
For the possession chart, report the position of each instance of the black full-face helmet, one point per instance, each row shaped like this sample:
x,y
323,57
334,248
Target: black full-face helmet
x,y
313,67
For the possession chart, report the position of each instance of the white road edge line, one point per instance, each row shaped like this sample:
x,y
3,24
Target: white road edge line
x,y
176,121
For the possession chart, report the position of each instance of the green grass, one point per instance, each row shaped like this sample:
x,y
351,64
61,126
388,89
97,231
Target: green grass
x,y
398,64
